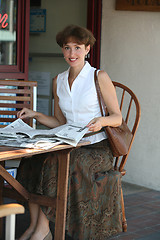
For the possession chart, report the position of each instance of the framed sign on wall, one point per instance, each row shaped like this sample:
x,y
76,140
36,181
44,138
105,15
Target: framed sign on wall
x,y
37,20
138,5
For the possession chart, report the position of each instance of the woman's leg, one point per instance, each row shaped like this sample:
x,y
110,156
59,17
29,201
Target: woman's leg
x,y
30,175
42,228
34,214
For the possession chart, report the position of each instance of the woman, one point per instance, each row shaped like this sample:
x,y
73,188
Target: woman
x,y
93,207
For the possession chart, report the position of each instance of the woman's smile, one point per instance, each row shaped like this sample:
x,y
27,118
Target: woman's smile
x,y
73,59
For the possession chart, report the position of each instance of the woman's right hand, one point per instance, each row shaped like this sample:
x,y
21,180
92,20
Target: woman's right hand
x,y
26,113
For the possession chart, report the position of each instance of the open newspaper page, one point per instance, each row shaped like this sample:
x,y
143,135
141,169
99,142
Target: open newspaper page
x,y
20,134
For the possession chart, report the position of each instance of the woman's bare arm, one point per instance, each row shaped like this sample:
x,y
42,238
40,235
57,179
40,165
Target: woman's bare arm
x,y
49,121
110,98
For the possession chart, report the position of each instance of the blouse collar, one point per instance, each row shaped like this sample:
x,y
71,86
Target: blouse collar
x,y
85,70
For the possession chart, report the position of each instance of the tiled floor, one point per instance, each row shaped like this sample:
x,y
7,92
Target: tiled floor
x,y
142,212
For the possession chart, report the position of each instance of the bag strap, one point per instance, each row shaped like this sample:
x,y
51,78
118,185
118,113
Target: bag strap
x,y
100,99
99,95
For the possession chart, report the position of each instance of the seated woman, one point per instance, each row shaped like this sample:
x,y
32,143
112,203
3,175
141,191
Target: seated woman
x,y
93,207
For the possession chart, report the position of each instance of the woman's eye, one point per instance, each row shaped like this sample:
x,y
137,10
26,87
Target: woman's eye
x,y
66,48
77,48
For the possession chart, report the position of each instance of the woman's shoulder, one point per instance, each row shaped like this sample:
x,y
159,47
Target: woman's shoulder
x,y
103,77
59,77
62,74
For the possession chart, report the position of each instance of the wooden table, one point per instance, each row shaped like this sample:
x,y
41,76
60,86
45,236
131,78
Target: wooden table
x,y
10,153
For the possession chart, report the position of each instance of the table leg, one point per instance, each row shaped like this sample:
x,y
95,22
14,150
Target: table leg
x,y
62,185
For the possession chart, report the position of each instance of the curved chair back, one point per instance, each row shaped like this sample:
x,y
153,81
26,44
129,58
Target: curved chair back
x,y
131,112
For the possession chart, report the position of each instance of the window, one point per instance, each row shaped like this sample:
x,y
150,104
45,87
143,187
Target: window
x,y
14,37
8,19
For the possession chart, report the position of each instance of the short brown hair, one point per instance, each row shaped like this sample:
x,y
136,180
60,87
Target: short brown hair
x,y
80,34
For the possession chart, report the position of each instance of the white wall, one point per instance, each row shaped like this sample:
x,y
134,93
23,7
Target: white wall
x,y
130,53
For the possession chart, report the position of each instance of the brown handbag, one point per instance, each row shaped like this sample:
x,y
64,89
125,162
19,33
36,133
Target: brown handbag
x,y
119,137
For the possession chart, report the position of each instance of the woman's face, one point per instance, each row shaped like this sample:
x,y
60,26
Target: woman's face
x,y
75,53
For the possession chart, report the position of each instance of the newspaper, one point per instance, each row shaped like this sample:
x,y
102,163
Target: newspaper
x,y
20,134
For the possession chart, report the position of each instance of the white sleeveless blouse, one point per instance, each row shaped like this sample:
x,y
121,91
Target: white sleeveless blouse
x,y
80,104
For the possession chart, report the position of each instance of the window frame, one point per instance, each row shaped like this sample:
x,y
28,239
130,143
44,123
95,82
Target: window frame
x,y
20,70
94,19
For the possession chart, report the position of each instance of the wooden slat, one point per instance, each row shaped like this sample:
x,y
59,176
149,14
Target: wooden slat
x,y
17,83
15,98
8,112
122,99
16,105
129,109
8,120
14,183
9,192
16,91
116,163
41,200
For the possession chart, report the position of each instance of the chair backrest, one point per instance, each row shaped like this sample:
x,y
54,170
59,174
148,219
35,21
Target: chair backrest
x,y
131,111
14,95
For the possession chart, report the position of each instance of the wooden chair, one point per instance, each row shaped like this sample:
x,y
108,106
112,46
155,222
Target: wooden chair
x,y
14,95
9,211
131,111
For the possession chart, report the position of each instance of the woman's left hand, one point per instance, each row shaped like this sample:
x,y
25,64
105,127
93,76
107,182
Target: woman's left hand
x,y
95,124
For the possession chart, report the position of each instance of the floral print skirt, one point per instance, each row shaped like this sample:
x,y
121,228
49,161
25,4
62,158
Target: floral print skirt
x,y
94,190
